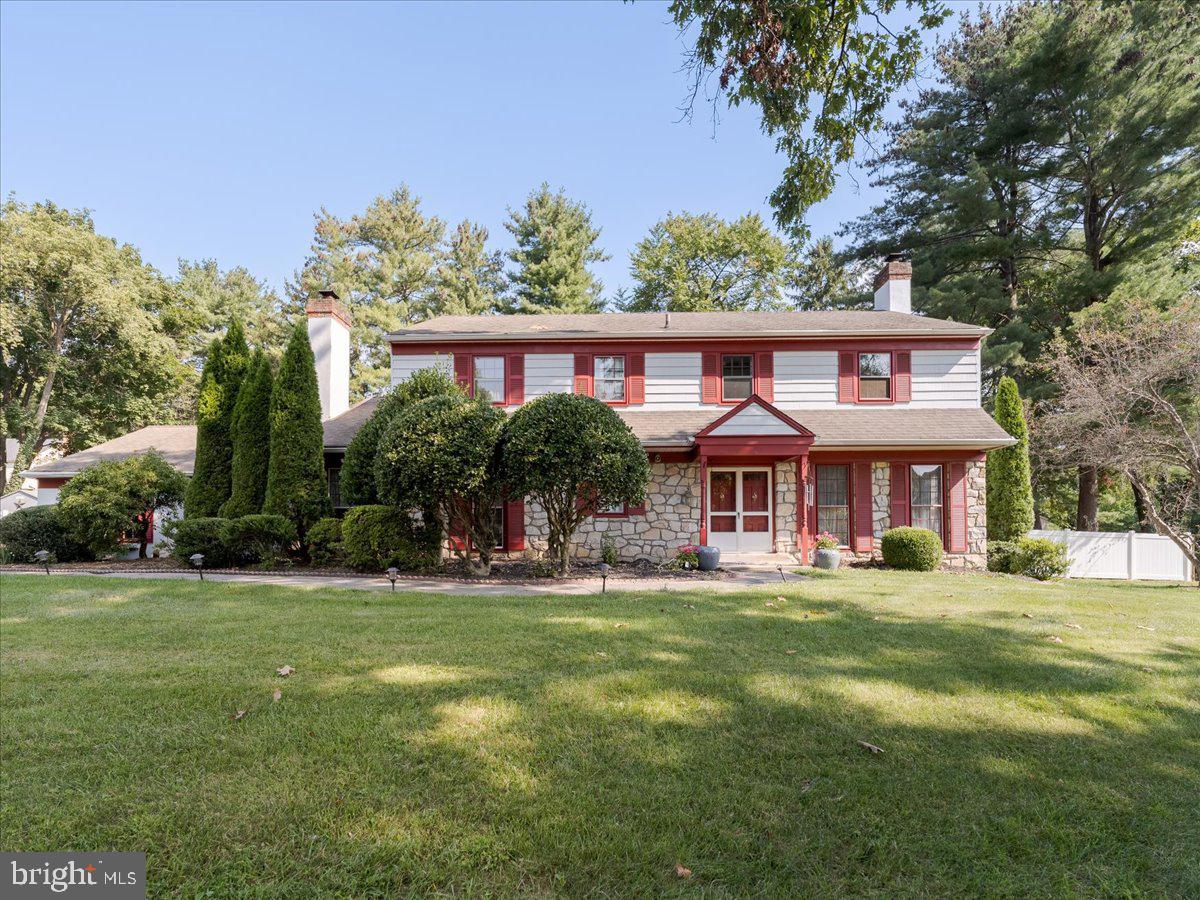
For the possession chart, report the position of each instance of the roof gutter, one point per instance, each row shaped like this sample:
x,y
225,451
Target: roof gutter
x,y
401,337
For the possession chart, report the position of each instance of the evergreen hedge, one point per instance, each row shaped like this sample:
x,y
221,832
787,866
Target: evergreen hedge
x,y
911,549
258,538
26,531
1009,483
296,487
251,441
201,534
220,380
325,542
358,479
375,538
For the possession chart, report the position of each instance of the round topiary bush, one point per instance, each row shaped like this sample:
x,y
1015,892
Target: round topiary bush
x,y
261,538
201,534
376,537
1040,558
912,549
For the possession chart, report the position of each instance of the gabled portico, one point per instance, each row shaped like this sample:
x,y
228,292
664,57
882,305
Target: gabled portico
x,y
744,457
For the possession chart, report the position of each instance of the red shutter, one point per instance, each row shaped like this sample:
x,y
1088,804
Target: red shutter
x,y
862,508
764,375
635,390
514,379
583,374
710,379
514,525
464,371
900,508
956,491
902,375
846,374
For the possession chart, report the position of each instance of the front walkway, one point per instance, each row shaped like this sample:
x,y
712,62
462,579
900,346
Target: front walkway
x,y
743,578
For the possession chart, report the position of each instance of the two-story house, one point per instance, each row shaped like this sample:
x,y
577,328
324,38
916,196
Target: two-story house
x,y
762,429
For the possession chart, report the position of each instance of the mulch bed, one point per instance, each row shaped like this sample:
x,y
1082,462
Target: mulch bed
x,y
503,571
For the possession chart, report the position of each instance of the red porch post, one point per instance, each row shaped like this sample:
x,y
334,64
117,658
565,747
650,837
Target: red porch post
x,y
802,507
703,499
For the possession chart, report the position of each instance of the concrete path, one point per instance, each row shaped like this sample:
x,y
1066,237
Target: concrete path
x,y
744,578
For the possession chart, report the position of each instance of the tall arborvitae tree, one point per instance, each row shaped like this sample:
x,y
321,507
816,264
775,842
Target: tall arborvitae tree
x,y
470,279
1009,486
251,431
219,384
296,486
556,241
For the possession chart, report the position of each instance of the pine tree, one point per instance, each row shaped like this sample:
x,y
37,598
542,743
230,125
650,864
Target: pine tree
x,y
251,432
555,243
223,372
296,487
1009,488
470,280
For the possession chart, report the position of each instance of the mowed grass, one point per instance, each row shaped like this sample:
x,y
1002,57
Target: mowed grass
x,y
586,745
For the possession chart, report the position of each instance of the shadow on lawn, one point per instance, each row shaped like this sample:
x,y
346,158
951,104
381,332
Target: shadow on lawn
x,y
549,750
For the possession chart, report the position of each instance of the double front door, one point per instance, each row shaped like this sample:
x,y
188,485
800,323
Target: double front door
x,y
740,509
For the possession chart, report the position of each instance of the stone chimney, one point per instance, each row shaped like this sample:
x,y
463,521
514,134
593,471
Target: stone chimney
x,y
329,334
893,285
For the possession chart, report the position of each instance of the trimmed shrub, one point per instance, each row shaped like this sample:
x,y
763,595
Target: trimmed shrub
x,y
1001,555
224,369
251,437
325,542
296,486
358,466
1009,484
375,538
1040,558
27,531
258,539
911,549
200,535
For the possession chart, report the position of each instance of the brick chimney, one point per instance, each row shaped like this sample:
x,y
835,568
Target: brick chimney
x,y
329,334
893,285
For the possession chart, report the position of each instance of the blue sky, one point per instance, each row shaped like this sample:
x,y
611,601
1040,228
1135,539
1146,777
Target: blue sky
x,y
216,130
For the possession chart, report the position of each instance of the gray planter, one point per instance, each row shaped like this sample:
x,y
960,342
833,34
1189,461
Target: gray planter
x,y
827,559
709,557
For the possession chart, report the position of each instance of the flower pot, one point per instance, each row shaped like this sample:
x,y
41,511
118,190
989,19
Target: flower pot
x,y
709,557
827,559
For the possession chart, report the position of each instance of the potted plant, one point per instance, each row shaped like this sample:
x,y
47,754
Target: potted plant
x,y
827,555
686,557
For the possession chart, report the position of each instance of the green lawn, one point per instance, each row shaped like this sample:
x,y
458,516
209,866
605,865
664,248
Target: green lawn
x,y
587,745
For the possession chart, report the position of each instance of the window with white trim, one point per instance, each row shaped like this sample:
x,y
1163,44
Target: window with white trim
x,y
609,376
925,497
489,376
874,376
737,376
833,502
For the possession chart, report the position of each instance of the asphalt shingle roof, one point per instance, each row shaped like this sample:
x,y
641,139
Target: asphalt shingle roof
x,y
833,323
177,444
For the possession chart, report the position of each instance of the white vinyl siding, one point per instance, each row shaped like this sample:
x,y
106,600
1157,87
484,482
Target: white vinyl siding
x,y
753,420
403,365
549,373
672,381
945,378
806,379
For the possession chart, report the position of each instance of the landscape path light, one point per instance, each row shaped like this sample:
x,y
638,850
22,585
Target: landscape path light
x,y
605,568
43,557
392,574
197,560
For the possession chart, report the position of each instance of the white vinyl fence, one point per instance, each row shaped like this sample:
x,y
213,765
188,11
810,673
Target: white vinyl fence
x,y
1121,554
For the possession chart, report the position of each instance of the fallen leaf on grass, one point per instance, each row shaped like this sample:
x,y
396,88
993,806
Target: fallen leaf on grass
x,y
689,606
601,653
806,785
1144,627
876,618
618,625
781,599
238,716
682,871
768,603
1073,625
1054,639
1026,615
277,696
791,652
869,746
285,671
1147,669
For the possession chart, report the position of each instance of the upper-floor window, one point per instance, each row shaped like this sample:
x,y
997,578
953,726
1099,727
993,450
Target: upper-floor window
x,y
609,374
737,377
874,376
489,376
925,493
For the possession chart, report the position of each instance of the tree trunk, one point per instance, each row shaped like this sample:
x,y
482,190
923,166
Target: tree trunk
x,y
1087,511
1140,511
33,431
564,558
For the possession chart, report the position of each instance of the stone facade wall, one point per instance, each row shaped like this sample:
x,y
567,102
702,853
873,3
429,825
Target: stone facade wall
x,y
672,518
881,500
786,505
